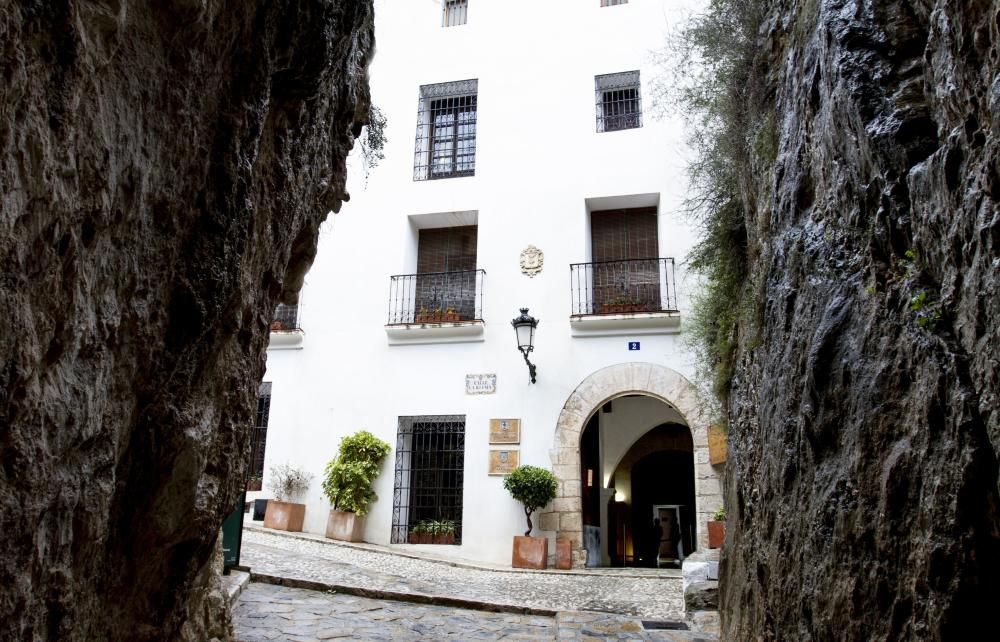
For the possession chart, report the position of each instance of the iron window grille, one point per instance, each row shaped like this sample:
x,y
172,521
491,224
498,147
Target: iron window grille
x,y
430,467
619,105
259,437
436,297
612,3
623,287
456,12
286,317
446,131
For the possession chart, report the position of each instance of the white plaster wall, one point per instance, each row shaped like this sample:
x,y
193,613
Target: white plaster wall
x,y
538,160
630,419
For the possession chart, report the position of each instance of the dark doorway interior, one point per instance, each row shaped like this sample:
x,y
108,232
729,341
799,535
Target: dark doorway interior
x,y
665,477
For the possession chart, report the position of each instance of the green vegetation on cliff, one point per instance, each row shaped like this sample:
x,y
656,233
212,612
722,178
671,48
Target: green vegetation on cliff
x,y
716,80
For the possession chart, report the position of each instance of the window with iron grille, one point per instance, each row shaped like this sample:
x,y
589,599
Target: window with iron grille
x,y
446,270
456,12
446,131
259,438
624,247
619,105
611,3
430,466
286,317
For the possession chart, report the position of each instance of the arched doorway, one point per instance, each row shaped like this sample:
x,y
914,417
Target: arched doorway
x,y
619,382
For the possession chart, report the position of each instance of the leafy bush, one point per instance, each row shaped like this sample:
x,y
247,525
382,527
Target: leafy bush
x,y
720,515
349,476
288,481
532,486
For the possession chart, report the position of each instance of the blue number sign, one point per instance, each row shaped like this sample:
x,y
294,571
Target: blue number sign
x,y
633,345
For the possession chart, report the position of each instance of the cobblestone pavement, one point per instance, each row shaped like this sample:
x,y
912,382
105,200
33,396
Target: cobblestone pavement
x,y
265,612
659,598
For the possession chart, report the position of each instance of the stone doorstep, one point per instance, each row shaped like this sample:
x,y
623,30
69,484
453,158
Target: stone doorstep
x,y
476,566
233,584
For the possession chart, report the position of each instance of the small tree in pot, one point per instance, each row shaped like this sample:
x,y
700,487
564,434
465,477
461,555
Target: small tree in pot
x,y
287,482
534,487
348,483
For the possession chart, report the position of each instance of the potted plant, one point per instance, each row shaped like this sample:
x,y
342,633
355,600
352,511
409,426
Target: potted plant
x,y
450,314
282,514
442,531
534,487
254,482
423,316
717,529
348,483
420,534
277,326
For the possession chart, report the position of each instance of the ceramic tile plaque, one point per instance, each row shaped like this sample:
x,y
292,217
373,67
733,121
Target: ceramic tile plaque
x,y
505,431
480,384
503,462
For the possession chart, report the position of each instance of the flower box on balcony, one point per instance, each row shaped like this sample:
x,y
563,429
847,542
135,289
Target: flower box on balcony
x,y
621,308
440,317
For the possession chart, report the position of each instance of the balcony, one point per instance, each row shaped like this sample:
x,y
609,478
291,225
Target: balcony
x,y
436,307
285,330
634,296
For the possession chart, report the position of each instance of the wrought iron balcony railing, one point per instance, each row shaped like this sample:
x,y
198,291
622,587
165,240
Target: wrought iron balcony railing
x,y
286,317
436,297
623,287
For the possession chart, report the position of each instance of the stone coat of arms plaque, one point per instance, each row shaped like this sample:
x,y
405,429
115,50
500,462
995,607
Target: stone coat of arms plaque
x,y
532,260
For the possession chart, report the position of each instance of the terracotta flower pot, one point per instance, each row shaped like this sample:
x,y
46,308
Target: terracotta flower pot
x,y
564,554
716,534
344,526
444,538
253,484
284,516
419,538
530,552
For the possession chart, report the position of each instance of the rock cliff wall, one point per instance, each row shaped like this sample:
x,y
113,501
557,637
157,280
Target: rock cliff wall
x,y
862,489
164,169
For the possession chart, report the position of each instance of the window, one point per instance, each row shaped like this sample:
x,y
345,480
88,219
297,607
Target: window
x,y
286,317
611,3
626,270
430,467
259,437
446,271
446,131
455,13
619,105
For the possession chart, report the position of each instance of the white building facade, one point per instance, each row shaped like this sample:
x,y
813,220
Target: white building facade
x,y
524,169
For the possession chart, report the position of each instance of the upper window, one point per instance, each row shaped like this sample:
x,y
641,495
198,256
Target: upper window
x,y
611,3
619,105
446,131
456,12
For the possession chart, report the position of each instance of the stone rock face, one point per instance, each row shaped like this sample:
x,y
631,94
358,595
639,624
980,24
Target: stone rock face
x,y
164,169
862,497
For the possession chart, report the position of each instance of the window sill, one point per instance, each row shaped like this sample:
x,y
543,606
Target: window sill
x,y
630,324
286,340
418,333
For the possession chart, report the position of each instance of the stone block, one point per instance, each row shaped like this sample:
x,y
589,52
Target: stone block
x,y
575,538
564,554
548,521
702,596
566,505
571,488
530,552
694,571
570,522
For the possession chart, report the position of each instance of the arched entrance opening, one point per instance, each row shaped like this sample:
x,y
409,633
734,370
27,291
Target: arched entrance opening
x,y
637,483
570,463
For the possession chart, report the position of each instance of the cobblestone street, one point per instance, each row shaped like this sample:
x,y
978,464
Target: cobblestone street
x,y
651,595
265,612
